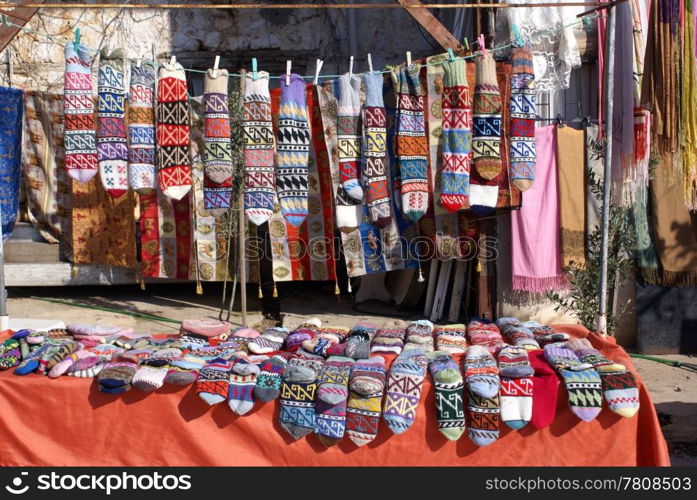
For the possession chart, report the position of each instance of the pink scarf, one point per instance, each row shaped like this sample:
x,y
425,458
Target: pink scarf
x,y
535,228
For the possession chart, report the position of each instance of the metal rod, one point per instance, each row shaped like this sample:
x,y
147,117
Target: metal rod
x,y
243,262
4,319
607,183
80,5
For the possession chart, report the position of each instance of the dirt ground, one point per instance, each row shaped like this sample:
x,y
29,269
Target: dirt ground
x,y
673,390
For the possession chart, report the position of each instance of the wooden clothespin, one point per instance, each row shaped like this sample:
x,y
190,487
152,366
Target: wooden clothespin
x,y
215,66
76,41
318,68
482,44
254,68
516,33
451,54
370,63
408,58
288,66
173,60
350,66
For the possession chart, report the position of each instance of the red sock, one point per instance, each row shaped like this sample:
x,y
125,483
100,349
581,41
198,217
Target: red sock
x,y
545,386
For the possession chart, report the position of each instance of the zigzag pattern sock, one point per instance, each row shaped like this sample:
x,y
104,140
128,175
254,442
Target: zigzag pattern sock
x,y
419,334
292,151
349,136
516,401
270,340
482,419
240,396
389,339
545,391
141,128
456,136
404,384
523,109
517,334
375,151
173,160
451,338
217,152
621,392
485,334
80,137
363,412
297,415
259,173
448,384
112,147
333,380
481,372
213,381
514,363
268,386
411,146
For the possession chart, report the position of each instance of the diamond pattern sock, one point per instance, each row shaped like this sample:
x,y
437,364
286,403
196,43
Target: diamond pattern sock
x,y
449,385
404,384
481,373
141,128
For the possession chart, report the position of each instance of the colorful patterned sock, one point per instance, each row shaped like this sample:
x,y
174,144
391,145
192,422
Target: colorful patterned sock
x,y
10,354
292,151
486,335
240,397
368,376
482,420
268,385
151,374
248,365
80,129
545,391
523,109
448,384
621,392
295,339
389,339
217,155
561,358
181,376
213,381
259,173
516,401
517,334
330,422
514,363
116,376
551,338
334,334
67,362
585,352
141,128
404,384
481,372
333,380
349,135
318,346
363,417
30,362
297,415
420,334
487,118
63,350
584,389
375,151
410,142
303,367
270,340
451,338
173,162
456,136
91,372
112,147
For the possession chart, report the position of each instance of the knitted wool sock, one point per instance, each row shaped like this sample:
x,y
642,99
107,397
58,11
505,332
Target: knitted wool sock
x,y
268,386
213,381
259,174
80,129
141,128
585,352
420,334
181,376
456,136
517,334
292,151
481,372
388,339
240,397
523,155
295,339
551,338
31,361
217,154
297,415
333,334
449,385
10,354
514,363
375,151
482,419
621,392
516,401
363,417
90,372
61,351
546,389
270,340
151,374
248,365
112,147
362,333
487,118
349,136
451,338
485,334
584,388
330,422
410,142
368,376
561,358
333,380
318,346
116,376
303,367
173,161
404,389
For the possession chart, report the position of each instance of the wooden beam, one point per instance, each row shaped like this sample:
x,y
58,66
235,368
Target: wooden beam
x,y
19,16
429,22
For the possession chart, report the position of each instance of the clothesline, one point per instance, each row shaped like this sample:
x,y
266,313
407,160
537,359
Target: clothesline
x,y
590,15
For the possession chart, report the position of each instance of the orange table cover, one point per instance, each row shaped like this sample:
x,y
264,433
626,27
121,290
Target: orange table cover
x,y
68,422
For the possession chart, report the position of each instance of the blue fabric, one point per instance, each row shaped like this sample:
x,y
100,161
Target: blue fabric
x,y
10,156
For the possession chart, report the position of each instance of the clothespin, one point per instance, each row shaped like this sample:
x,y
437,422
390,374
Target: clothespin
x,y
350,66
558,120
467,44
172,60
451,54
140,60
408,58
516,33
370,63
76,42
254,68
288,65
482,44
215,66
318,68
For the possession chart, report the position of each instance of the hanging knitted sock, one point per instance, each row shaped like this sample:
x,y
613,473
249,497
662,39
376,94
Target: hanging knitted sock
x,y
487,118
333,380
404,389
363,412
297,415
586,353
545,390
389,339
523,109
514,362
482,419
217,154
270,340
410,142
259,174
116,376
141,128
621,392
375,151
419,334
268,386
349,135
448,384
173,162
517,334
481,372
80,138
213,381
456,138
240,396
451,338
292,151
112,147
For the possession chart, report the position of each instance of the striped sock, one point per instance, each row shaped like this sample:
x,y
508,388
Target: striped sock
x,y
213,381
481,372
240,396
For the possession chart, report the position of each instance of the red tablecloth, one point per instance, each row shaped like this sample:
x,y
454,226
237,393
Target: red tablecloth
x,y
68,422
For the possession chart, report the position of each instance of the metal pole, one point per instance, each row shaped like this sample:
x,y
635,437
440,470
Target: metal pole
x,y
607,184
243,261
4,319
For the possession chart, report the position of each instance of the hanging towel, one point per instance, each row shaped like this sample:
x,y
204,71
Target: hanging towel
x,y
570,145
10,156
535,230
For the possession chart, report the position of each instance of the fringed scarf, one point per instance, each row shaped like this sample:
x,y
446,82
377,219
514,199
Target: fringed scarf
x,y
688,111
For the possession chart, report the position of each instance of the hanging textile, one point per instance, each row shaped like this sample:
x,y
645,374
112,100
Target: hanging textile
x,y
10,156
306,251
48,185
570,146
640,29
522,123
594,153
535,231
141,127
688,111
